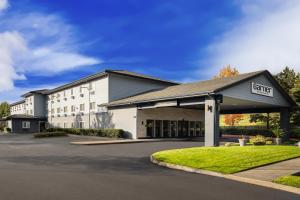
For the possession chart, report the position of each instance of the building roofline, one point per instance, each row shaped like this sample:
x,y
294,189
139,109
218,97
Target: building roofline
x,y
43,91
203,93
106,73
17,102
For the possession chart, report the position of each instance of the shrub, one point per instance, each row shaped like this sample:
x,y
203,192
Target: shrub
x,y
295,133
258,140
50,134
278,133
248,131
109,132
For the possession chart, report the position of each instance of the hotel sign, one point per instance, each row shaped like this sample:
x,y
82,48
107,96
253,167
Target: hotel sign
x,y
261,89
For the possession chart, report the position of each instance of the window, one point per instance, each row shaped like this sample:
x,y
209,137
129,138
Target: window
x,y
80,89
81,124
92,106
66,109
58,110
58,125
65,93
72,125
25,124
65,125
58,95
52,111
72,91
81,107
73,108
90,85
31,112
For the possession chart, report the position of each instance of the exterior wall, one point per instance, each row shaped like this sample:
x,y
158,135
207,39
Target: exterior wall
x,y
18,109
59,100
9,124
39,106
243,91
97,120
126,119
29,102
166,113
17,126
123,86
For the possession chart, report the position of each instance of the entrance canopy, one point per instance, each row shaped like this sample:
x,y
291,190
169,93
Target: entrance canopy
x,y
255,92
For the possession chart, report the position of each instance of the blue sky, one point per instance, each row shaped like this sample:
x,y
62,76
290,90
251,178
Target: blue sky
x,y
47,43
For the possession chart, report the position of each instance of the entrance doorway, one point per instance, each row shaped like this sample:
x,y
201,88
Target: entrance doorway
x,y
150,128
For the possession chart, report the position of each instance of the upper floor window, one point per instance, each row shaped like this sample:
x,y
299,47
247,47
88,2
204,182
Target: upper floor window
x,y
66,109
82,107
92,106
65,93
72,91
80,89
72,108
58,110
91,86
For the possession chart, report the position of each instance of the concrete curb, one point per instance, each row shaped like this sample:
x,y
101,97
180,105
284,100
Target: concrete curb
x,y
126,141
228,176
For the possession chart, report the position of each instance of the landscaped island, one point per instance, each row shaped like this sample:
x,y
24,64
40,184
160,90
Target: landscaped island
x,y
291,180
227,160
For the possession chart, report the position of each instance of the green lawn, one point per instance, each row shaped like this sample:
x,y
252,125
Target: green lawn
x,y
227,160
289,180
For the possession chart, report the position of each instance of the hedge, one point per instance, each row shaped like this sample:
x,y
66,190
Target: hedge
x,y
246,131
253,131
50,134
295,133
109,132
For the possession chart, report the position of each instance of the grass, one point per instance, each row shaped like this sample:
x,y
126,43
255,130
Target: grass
x,y
227,160
289,180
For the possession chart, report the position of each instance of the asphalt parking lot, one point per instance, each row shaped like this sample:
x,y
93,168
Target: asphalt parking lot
x,y
55,169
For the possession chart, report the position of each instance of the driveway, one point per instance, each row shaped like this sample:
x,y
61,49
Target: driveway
x,y
54,169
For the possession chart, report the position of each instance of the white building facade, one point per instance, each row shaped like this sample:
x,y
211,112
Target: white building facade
x,y
148,107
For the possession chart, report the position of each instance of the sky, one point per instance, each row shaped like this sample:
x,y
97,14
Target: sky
x,y
44,44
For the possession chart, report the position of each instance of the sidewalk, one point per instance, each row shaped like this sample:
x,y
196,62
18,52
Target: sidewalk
x,y
273,171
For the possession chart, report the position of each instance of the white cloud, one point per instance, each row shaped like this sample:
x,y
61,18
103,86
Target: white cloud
x,y
3,5
265,37
37,44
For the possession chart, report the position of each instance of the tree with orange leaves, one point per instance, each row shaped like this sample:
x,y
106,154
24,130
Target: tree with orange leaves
x,y
228,71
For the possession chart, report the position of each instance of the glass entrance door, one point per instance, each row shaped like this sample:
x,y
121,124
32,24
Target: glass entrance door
x,y
173,129
166,128
150,128
158,128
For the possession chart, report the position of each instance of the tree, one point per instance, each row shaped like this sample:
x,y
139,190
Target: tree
x,y
4,109
228,71
295,93
232,119
287,78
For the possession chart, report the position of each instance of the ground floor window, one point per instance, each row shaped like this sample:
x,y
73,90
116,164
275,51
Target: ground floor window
x,y
81,124
25,124
65,125
173,128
